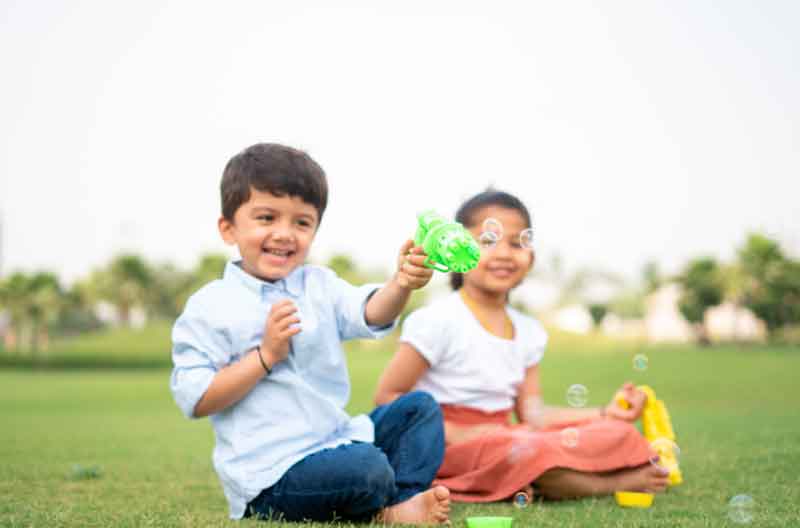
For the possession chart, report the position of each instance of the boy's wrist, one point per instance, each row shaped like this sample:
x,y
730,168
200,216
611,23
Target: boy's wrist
x,y
266,361
402,285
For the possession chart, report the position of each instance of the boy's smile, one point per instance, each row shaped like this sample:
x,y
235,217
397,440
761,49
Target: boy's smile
x,y
273,233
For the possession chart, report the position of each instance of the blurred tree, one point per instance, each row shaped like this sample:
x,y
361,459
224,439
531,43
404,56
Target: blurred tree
x,y
702,288
45,300
598,312
651,277
14,298
125,283
170,290
772,284
77,314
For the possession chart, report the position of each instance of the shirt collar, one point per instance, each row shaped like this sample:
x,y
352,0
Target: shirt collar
x,y
292,283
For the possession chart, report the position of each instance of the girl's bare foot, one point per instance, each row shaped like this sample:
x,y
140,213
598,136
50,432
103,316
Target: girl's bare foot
x,y
649,478
428,507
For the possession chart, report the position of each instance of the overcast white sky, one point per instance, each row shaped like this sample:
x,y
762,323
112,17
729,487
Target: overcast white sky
x,y
633,130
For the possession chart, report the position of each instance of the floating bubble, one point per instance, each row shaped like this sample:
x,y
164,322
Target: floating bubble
x,y
570,437
488,239
521,500
666,449
521,448
493,225
640,362
526,238
740,509
577,395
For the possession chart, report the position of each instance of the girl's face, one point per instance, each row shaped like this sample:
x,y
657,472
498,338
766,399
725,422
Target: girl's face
x,y
503,266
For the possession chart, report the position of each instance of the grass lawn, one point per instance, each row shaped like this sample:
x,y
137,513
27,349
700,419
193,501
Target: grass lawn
x,y
734,411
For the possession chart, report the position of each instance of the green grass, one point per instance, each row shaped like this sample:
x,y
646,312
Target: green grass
x,y
108,447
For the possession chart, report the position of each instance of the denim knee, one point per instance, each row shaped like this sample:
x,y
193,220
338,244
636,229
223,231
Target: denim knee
x,y
420,402
374,471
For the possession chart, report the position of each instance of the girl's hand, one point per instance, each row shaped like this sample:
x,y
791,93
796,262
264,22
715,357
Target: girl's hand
x,y
634,397
278,331
411,271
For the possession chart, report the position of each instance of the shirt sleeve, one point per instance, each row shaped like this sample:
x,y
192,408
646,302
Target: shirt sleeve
x,y
198,352
350,304
537,344
421,330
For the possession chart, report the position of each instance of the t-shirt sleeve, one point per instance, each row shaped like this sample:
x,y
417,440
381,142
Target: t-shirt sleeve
x,y
426,333
198,352
536,344
350,305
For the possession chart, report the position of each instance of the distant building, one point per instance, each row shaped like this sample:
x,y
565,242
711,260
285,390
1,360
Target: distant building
x,y
729,322
615,326
663,320
575,318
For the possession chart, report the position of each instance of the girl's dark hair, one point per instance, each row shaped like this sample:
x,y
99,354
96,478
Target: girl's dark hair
x,y
466,216
273,168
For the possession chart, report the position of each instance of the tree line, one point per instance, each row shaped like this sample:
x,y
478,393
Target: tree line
x,y
762,278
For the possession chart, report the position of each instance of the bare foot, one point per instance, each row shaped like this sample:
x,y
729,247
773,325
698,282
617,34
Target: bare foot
x,y
428,507
648,478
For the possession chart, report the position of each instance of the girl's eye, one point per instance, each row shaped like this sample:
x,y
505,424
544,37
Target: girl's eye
x,y
266,218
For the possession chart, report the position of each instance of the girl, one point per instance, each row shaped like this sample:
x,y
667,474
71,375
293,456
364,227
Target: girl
x,y
479,358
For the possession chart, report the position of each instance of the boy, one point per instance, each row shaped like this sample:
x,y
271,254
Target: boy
x,y
259,351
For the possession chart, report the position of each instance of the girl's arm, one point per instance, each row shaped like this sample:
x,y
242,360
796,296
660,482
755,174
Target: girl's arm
x,y
531,409
399,377
401,374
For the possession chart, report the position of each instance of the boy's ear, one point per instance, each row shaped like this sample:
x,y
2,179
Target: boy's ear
x,y
226,230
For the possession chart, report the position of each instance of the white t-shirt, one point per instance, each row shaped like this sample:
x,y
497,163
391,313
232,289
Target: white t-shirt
x,y
469,366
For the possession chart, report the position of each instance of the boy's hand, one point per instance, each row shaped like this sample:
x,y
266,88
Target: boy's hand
x,y
411,271
275,343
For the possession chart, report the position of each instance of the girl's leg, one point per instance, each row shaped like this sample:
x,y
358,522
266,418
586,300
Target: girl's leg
x,y
410,431
563,483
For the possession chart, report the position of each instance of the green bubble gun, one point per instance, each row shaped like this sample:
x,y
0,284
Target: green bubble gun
x,y
449,246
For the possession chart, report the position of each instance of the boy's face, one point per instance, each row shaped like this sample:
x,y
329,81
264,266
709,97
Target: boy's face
x,y
273,233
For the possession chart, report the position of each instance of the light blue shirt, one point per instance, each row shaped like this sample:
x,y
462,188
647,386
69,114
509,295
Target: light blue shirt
x,y
299,408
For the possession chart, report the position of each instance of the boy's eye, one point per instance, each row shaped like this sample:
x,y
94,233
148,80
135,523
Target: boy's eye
x,y
266,218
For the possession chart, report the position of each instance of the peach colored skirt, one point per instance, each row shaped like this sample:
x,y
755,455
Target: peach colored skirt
x,y
495,466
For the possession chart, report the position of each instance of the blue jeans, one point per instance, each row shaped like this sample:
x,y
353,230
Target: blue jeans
x,y
355,481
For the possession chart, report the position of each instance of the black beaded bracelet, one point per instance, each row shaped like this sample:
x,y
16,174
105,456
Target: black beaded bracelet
x,y
261,359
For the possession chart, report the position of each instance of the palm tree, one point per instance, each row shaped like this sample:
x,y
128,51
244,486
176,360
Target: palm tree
x,y
45,299
126,283
14,298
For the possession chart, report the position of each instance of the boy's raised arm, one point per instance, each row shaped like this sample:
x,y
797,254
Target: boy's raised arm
x,y
387,303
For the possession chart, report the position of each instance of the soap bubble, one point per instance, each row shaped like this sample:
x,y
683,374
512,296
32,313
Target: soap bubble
x,y
526,238
740,509
569,437
640,362
521,500
522,447
488,239
577,395
666,447
493,225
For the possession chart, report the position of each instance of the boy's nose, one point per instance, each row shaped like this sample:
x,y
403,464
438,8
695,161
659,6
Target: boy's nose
x,y
282,232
